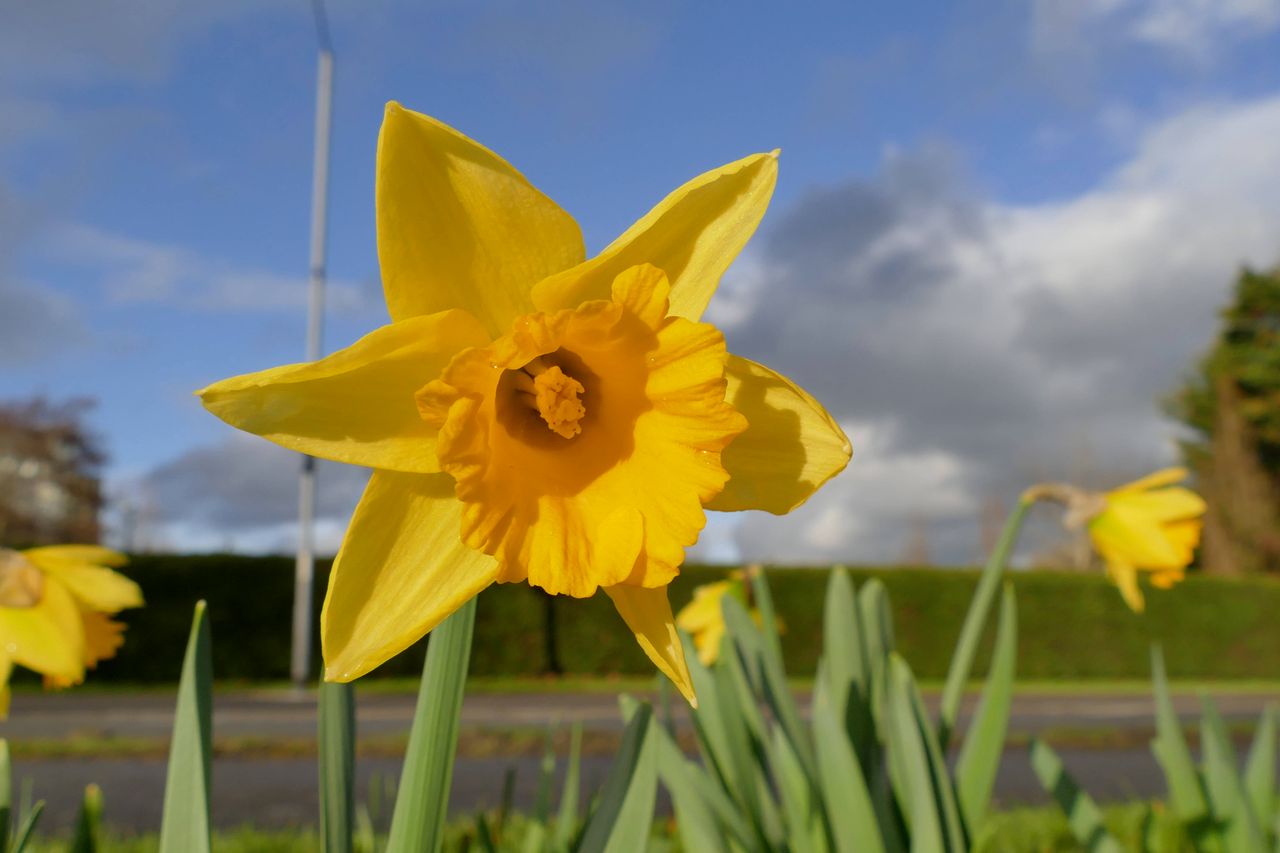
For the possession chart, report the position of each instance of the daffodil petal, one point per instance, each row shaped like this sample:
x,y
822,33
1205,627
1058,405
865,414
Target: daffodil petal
x,y
356,405
790,448
94,555
48,637
402,569
1135,537
1155,480
1166,504
647,612
1125,577
692,235
458,227
95,587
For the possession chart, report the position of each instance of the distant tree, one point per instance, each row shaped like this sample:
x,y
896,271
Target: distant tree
x,y
1232,405
50,464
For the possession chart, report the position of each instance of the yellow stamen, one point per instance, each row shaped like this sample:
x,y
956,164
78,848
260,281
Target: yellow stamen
x,y
21,584
554,395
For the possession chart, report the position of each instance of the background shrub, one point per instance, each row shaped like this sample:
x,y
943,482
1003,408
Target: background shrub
x,y
1071,625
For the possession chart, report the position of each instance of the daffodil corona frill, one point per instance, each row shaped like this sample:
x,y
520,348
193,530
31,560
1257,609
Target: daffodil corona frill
x,y
55,604
530,414
1150,525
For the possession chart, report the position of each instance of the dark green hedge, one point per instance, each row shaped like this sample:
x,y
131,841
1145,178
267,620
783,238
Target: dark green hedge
x,y
1071,625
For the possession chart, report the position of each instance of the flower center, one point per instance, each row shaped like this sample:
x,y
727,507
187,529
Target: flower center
x,y
553,394
21,584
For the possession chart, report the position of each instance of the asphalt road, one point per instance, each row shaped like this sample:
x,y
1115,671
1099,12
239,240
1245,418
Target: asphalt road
x,y
280,792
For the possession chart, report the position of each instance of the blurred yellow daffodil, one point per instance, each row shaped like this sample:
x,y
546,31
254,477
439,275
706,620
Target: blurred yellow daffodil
x,y
703,617
1150,525
54,606
532,415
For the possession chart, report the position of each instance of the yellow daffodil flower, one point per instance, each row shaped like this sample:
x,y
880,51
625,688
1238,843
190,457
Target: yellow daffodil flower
x,y
1149,525
54,604
532,415
703,617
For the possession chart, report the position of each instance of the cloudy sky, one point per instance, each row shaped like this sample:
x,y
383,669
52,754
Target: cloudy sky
x,y
1000,235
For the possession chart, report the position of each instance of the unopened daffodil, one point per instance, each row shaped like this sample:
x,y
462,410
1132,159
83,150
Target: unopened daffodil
x,y
55,603
530,414
1150,525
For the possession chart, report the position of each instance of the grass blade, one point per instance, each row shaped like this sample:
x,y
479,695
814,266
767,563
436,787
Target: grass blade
x,y
974,622
88,834
1230,806
980,756
336,720
422,802
185,827
1083,815
624,812
567,817
1260,769
28,827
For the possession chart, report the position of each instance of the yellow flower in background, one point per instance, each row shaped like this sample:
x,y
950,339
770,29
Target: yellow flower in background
x,y
703,617
54,604
1149,525
532,415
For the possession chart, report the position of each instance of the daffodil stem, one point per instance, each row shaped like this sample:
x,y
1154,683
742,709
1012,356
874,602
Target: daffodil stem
x,y
974,621
417,823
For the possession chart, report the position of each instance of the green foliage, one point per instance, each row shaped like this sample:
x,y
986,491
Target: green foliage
x,y
1073,625
184,825
867,772
1246,354
1213,807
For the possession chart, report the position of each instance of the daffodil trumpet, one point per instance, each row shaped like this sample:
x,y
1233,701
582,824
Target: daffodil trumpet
x,y
532,415
55,608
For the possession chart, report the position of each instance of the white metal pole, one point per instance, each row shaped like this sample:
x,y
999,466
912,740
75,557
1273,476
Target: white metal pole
x,y
304,569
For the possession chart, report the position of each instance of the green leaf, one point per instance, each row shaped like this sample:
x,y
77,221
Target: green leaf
x,y
87,838
761,660
6,795
980,756
974,621
422,803
849,810
1260,769
1186,797
800,803
924,787
1238,826
28,827
1083,815
567,818
336,721
705,816
845,667
185,826
624,812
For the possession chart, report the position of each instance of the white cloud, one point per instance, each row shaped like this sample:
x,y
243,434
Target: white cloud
x,y
1198,29
978,346
137,272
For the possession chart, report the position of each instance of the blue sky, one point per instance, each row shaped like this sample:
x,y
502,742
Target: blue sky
x,y
1046,165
